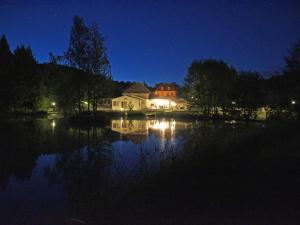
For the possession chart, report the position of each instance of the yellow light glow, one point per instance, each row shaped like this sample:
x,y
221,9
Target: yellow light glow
x,y
293,102
165,103
53,103
53,124
85,103
160,125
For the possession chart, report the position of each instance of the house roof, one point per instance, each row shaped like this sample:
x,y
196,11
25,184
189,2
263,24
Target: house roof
x,y
137,88
166,87
129,96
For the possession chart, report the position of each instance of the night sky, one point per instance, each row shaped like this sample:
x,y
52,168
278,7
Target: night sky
x,y
155,41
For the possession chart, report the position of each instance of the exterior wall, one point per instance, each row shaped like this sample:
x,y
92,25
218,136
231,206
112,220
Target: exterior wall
x,y
157,103
129,103
165,93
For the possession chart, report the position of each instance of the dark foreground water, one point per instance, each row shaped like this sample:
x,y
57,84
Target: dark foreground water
x,y
156,171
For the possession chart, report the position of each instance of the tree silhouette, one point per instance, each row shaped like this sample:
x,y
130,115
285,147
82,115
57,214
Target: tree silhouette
x,y
208,84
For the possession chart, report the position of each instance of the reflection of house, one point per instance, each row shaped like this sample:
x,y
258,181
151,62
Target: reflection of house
x,y
138,97
129,126
138,130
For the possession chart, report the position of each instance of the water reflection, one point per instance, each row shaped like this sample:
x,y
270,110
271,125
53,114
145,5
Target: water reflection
x,y
138,130
88,169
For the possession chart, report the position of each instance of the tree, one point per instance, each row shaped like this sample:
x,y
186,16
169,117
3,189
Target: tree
x,y
249,94
98,65
291,76
77,53
26,80
208,84
87,53
292,61
6,62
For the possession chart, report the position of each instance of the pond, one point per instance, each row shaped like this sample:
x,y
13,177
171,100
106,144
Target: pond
x,y
52,172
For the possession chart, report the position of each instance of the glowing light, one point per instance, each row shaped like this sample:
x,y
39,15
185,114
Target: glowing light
x,y
85,103
233,102
162,103
53,124
53,103
293,102
122,109
160,125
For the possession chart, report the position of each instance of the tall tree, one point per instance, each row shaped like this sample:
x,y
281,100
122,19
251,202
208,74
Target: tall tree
x,y
77,53
249,93
208,84
292,77
99,63
6,60
292,61
87,52
27,80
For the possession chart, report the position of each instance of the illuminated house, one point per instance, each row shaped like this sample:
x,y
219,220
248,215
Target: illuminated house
x,y
168,90
139,97
136,97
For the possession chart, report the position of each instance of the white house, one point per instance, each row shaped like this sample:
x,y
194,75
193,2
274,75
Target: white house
x,y
136,97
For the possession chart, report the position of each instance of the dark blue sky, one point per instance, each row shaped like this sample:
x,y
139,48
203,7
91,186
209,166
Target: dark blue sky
x,y
155,41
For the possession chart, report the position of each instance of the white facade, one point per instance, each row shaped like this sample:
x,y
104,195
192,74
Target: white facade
x,y
127,102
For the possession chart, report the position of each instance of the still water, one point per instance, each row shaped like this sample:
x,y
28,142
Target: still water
x,y
54,173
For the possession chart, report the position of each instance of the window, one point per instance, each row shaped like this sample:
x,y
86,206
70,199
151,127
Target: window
x,y
169,88
114,103
161,88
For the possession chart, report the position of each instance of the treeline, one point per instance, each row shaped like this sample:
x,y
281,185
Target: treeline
x,y
214,88
72,82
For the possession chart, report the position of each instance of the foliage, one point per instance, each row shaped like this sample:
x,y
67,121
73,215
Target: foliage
x,y
87,53
208,84
248,91
292,61
6,67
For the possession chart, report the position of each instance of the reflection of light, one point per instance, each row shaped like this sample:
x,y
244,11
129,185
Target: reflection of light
x,y
122,109
160,125
53,124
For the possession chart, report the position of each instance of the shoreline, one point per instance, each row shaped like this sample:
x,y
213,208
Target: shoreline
x,y
106,115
